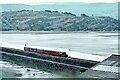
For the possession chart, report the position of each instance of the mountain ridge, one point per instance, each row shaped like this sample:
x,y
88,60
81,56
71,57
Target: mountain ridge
x,y
98,9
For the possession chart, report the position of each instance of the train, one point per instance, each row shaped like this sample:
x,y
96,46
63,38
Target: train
x,y
47,52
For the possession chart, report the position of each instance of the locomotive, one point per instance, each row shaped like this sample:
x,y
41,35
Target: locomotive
x,y
47,52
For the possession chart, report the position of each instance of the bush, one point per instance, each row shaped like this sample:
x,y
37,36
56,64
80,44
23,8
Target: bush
x,y
47,10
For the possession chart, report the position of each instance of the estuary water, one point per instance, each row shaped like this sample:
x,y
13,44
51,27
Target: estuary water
x,y
101,44
89,43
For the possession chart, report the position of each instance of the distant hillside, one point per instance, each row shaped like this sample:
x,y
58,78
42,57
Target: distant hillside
x,y
97,9
29,20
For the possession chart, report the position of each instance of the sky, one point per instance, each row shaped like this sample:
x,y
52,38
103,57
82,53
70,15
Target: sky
x,y
30,2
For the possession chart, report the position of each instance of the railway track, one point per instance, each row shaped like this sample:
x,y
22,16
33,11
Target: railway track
x,y
47,61
5,53
68,60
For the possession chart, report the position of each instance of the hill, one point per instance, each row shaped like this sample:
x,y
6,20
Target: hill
x,y
29,20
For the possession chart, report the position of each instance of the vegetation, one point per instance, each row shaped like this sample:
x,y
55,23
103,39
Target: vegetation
x,y
29,20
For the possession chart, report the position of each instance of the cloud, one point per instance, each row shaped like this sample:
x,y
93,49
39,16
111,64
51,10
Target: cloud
x,y
53,1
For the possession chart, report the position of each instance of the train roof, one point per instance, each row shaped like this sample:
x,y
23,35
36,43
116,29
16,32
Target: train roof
x,y
44,49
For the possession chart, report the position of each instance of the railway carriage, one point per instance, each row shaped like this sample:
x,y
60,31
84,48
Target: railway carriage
x,y
47,52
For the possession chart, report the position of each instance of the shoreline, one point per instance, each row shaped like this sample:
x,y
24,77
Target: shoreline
x,y
53,32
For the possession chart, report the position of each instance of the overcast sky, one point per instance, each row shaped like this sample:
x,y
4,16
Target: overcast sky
x,y
52,1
